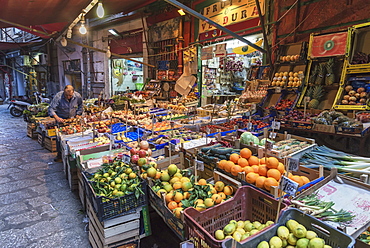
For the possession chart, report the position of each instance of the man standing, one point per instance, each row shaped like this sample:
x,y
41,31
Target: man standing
x,y
66,104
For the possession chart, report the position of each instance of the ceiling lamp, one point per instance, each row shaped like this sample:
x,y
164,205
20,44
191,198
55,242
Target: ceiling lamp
x,y
181,12
100,10
83,29
63,41
114,32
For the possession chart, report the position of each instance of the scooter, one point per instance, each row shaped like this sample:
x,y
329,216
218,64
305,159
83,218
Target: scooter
x,y
16,107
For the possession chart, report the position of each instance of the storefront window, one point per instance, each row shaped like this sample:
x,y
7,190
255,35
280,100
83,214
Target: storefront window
x,y
126,75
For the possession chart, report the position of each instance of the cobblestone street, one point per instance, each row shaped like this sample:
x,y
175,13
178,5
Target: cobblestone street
x,y
37,208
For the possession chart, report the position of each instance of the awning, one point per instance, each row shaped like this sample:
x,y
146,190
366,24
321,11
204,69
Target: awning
x,y
54,15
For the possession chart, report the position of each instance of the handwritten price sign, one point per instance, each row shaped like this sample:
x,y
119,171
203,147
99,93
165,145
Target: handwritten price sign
x,y
275,125
199,165
288,186
293,163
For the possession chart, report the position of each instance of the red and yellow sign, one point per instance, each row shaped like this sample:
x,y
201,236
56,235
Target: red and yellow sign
x,y
229,12
328,45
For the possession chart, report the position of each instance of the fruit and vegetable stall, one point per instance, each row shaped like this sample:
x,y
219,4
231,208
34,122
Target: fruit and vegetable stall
x,y
291,170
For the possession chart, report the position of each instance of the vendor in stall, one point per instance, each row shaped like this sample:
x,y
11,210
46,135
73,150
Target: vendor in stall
x,y
66,104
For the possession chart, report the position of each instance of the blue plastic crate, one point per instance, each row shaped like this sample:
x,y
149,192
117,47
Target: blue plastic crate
x,y
118,127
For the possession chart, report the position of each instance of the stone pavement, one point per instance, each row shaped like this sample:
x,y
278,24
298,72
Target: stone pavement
x,y
37,208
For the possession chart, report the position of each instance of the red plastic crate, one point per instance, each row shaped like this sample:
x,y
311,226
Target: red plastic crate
x,y
247,204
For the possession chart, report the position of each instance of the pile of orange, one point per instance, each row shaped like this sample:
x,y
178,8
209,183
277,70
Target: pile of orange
x,y
219,192
264,173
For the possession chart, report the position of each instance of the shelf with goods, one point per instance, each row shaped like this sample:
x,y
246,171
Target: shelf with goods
x,y
325,70
289,71
354,92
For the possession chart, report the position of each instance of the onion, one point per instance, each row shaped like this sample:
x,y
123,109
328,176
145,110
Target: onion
x,y
352,92
363,94
144,145
346,97
353,98
361,89
357,95
345,102
352,103
363,100
348,88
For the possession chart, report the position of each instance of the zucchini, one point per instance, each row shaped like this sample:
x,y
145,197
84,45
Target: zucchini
x,y
222,151
205,149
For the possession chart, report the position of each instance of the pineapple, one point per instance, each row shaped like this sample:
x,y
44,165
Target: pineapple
x,y
320,74
329,78
309,92
317,94
313,75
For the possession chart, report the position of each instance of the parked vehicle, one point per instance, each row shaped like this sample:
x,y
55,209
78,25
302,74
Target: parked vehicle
x,y
16,107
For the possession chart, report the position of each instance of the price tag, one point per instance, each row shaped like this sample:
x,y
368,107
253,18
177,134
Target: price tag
x,y
278,90
126,159
293,163
289,186
199,165
154,120
275,125
288,136
272,135
268,145
172,147
306,99
249,126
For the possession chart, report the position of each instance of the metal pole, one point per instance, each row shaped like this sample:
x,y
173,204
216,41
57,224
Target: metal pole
x,y
201,17
262,20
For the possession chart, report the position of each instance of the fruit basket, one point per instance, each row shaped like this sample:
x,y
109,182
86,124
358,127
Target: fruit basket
x,y
247,203
107,208
330,235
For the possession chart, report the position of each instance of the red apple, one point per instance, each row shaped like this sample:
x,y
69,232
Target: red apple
x,y
134,158
142,153
133,151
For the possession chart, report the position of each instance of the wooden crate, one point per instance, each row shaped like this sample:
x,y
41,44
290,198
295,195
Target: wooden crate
x,y
40,139
116,232
31,131
81,190
50,143
72,172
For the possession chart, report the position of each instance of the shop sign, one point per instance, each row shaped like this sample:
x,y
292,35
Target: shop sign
x,y
229,12
329,45
207,53
221,50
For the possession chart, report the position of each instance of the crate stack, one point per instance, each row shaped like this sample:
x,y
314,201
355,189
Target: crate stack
x,y
119,222
31,130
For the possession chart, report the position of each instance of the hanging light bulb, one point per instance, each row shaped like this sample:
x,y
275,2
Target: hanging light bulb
x,y
63,41
108,53
69,33
100,10
83,29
